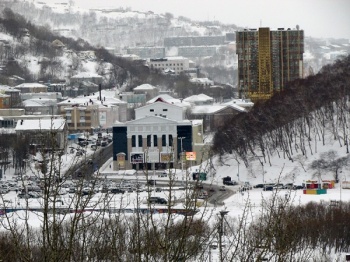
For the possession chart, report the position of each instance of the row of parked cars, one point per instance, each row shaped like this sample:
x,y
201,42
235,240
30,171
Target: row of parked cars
x,y
276,186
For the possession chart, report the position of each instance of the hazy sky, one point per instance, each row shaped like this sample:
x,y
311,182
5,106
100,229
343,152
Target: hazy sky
x,y
318,18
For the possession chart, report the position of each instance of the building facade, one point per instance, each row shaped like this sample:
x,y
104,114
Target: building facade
x,y
156,138
267,60
176,64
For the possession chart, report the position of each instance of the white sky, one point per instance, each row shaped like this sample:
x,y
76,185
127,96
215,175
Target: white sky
x,y
318,18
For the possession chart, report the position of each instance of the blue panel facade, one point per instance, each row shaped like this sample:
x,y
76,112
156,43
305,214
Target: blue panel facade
x,y
120,141
186,132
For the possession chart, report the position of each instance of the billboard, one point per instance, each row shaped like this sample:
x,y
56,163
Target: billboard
x,y
121,160
152,155
190,156
136,158
166,157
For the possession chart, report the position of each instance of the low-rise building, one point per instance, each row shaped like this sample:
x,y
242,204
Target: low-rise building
x,y
44,133
31,88
177,64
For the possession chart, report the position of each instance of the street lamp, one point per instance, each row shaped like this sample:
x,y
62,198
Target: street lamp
x,y
182,162
223,213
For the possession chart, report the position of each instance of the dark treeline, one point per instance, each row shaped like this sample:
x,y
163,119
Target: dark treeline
x,y
292,120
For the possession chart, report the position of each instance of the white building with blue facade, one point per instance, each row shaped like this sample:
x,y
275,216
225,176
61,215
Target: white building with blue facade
x,y
156,138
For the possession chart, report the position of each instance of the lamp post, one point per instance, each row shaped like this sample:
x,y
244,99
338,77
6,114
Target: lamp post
x,y
223,213
182,162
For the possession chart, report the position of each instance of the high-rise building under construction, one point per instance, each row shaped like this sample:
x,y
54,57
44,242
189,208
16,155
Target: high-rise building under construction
x,y
267,60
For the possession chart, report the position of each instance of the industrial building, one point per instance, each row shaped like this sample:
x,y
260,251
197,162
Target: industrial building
x,y
267,60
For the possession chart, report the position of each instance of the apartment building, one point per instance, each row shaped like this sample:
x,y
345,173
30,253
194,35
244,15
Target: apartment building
x,y
267,60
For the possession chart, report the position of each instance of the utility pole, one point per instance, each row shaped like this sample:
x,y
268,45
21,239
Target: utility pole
x,y
182,161
221,231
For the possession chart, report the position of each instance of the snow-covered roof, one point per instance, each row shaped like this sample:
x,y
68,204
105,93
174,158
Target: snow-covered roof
x,y
86,75
244,103
207,109
108,98
9,89
169,99
198,98
202,80
30,85
36,102
40,124
145,87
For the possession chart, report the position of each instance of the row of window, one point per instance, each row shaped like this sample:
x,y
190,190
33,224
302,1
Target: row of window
x,y
152,140
181,64
164,110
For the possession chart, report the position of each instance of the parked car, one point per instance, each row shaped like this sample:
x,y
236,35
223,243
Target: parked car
x,y
158,189
268,188
203,195
23,195
163,174
278,186
288,186
222,188
259,186
117,191
157,200
231,183
296,187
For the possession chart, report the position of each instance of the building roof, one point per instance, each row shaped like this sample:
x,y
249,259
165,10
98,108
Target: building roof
x,y
5,88
169,99
31,85
145,87
86,75
245,103
212,109
40,124
36,102
86,100
198,98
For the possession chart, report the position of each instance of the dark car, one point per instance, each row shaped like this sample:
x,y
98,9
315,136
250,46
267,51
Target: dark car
x,y
259,186
117,191
157,200
268,188
298,187
231,183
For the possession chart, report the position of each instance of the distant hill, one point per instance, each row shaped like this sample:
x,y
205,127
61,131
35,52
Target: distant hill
x,y
35,53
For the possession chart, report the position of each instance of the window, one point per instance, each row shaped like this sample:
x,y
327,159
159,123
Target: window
x,y
165,109
155,140
170,140
148,140
133,141
163,140
140,140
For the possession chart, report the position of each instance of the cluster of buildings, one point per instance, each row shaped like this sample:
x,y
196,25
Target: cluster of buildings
x,y
150,129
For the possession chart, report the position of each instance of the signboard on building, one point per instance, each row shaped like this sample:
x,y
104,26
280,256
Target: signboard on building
x,y
136,158
191,156
166,157
152,155
121,160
